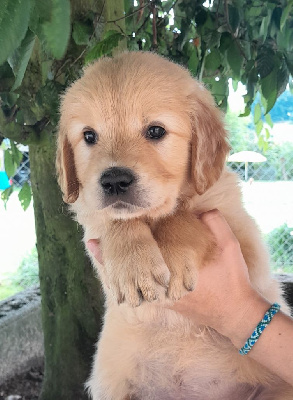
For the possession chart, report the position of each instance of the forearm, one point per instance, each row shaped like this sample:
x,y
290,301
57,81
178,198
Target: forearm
x,y
274,349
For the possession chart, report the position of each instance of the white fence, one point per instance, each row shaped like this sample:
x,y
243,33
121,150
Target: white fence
x,y
268,197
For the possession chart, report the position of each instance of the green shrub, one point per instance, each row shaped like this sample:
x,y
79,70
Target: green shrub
x,y
280,242
27,274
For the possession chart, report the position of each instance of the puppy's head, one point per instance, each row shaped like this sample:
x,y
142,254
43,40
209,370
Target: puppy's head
x,y
135,130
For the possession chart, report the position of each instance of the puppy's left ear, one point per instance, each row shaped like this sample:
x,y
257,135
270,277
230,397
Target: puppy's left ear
x,y
209,145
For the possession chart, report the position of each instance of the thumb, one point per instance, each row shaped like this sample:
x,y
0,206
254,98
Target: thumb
x,y
219,227
93,245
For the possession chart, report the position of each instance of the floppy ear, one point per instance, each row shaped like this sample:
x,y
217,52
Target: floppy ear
x,y
66,171
209,146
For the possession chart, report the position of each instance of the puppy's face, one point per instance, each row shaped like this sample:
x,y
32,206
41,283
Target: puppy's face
x,y
132,136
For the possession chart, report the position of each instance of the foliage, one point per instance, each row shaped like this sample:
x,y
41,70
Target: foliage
x,y
249,41
279,157
27,273
25,277
280,242
242,136
278,165
25,196
12,159
41,53
8,288
46,44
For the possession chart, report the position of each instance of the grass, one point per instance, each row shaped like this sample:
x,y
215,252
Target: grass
x,y
24,277
8,288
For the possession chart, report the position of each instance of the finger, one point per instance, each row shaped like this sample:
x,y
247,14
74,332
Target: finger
x,y
94,247
219,227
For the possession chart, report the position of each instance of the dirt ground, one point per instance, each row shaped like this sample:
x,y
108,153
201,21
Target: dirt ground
x,y
26,386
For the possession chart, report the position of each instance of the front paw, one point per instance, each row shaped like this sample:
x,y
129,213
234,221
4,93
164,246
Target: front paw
x,y
182,265
140,274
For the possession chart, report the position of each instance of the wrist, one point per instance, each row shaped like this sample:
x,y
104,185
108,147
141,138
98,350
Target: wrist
x,y
247,315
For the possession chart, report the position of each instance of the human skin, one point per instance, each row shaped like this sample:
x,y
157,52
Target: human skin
x,y
225,300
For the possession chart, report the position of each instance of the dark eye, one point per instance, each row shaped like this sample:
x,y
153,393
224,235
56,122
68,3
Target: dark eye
x,y
90,136
155,132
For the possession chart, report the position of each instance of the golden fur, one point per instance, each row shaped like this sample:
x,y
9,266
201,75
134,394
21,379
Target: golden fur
x,y
153,246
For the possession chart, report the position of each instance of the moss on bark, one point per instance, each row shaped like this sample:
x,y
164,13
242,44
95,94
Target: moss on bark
x,y
72,301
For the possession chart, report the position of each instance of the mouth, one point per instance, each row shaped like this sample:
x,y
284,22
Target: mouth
x,y
121,209
123,206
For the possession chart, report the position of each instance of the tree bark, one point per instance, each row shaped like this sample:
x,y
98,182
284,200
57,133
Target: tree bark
x,y
72,301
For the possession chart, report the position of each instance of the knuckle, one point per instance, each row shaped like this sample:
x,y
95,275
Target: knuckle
x,y
232,244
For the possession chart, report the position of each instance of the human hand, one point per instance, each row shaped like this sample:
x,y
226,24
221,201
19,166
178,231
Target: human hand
x,y
224,298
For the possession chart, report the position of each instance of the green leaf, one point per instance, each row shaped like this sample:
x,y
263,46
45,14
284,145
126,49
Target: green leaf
x,y
9,164
269,121
223,28
14,19
6,194
282,78
20,58
219,89
9,99
41,12
234,18
265,146
263,32
269,89
193,62
257,113
285,14
291,85
246,112
258,127
213,60
57,30
268,134
254,11
81,33
289,62
260,142
104,47
46,71
128,5
265,61
235,59
235,84
16,154
6,72
25,196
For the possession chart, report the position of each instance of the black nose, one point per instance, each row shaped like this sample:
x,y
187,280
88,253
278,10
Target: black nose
x,y
116,180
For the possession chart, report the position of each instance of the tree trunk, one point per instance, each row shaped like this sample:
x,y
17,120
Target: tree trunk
x,y
72,301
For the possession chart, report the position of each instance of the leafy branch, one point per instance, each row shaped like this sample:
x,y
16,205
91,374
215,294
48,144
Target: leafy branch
x,y
232,32
25,134
131,13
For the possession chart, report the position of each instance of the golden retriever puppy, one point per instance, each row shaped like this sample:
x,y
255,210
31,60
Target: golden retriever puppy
x,y
141,151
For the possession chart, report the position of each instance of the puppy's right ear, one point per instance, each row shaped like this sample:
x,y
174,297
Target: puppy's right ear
x,y
66,170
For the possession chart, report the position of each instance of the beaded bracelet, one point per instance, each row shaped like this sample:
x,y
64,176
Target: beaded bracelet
x,y
259,329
